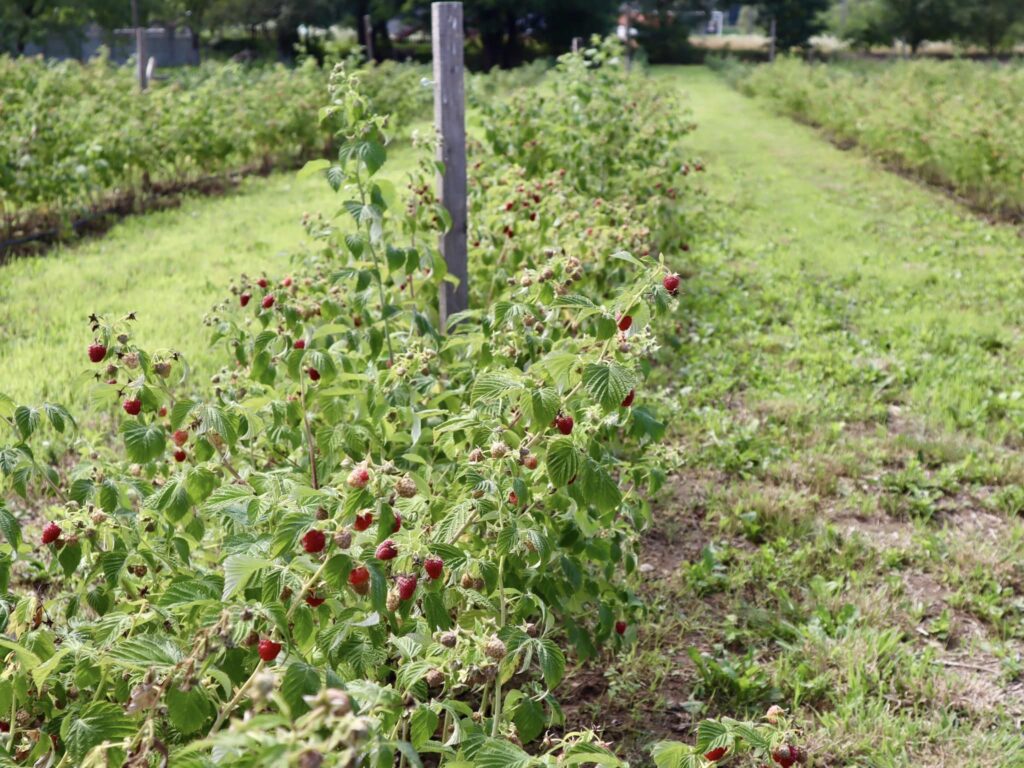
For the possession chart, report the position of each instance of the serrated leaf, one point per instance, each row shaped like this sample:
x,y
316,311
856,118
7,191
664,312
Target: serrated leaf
x,y
238,569
502,754
10,527
188,710
300,679
27,420
92,725
563,460
144,442
313,167
608,383
423,723
552,662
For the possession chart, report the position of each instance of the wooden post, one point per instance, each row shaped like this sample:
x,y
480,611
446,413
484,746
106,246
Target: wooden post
x,y
577,43
368,34
450,122
629,38
771,49
140,46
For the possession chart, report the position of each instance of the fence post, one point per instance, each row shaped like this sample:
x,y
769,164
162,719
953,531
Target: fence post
x,y
140,46
368,34
450,122
771,49
576,44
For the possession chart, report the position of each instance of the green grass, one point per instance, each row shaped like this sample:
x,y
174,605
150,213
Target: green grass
x,y
170,267
842,534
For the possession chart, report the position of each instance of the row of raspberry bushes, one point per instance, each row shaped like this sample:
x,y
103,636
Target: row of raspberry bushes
x,y
370,538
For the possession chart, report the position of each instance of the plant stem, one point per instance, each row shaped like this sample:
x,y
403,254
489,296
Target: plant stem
x,y
309,439
496,721
230,706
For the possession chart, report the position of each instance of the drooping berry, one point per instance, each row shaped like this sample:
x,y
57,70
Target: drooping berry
x,y
386,550
620,627
405,487
162,412
132,407
180,437
262,282
358,477
406,586
180,455
513,499
716,754
495,649
244,299
397,525
564,424
363,521
268,301
625,321
299,344
268,649
314,374
629,399
314,541
97,352
359,579
530,462
314,601
287,282
51,532
671,283
434,566
784,756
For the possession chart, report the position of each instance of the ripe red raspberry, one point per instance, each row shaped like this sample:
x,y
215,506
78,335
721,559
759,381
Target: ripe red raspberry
x,y
629,399
244,299
314,374
513,499
163,411
620,627
314,541
434,566
784,756
180,437
262,282
363,521
358,477
671,283
386,550
358,575
314,601
564,424
397,525
406,587
530,462
299,344
268,301
625,321
268,649
132,407
180,456
97,352
51,532
287,282
716,754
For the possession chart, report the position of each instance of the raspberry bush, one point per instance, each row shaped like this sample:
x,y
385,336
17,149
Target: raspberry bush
x,y
368,539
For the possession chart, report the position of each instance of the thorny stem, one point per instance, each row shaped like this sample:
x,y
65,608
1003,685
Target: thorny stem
x,y
380,274
496,717
230,706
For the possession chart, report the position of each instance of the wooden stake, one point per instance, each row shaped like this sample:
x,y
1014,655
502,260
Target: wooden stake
x,y
368,34
140,46
577,43
450,122
771,50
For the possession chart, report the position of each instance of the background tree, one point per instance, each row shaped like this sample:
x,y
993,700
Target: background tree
x,y
795,20
992,24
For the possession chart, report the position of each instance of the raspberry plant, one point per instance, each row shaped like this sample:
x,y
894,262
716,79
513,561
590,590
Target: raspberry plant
x,y
369,539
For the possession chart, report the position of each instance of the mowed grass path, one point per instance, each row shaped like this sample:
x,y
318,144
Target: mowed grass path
x,y
170,267
843,534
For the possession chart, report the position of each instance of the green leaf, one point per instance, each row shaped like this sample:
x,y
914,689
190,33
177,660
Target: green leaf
x,y
312,167
552,662
92,725
27,420
238,569
300,679
599,487
502,754
491,387
423,723
608,383
543,406
10,527
144,442
58,416
563,460
188,710
711,734
672,754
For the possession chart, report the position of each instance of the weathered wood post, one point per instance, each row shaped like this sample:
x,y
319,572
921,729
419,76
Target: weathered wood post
x,y
140,46
450,122
771,49
368,34
577,43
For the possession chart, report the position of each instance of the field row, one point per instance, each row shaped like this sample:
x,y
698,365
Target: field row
x,y
956,124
